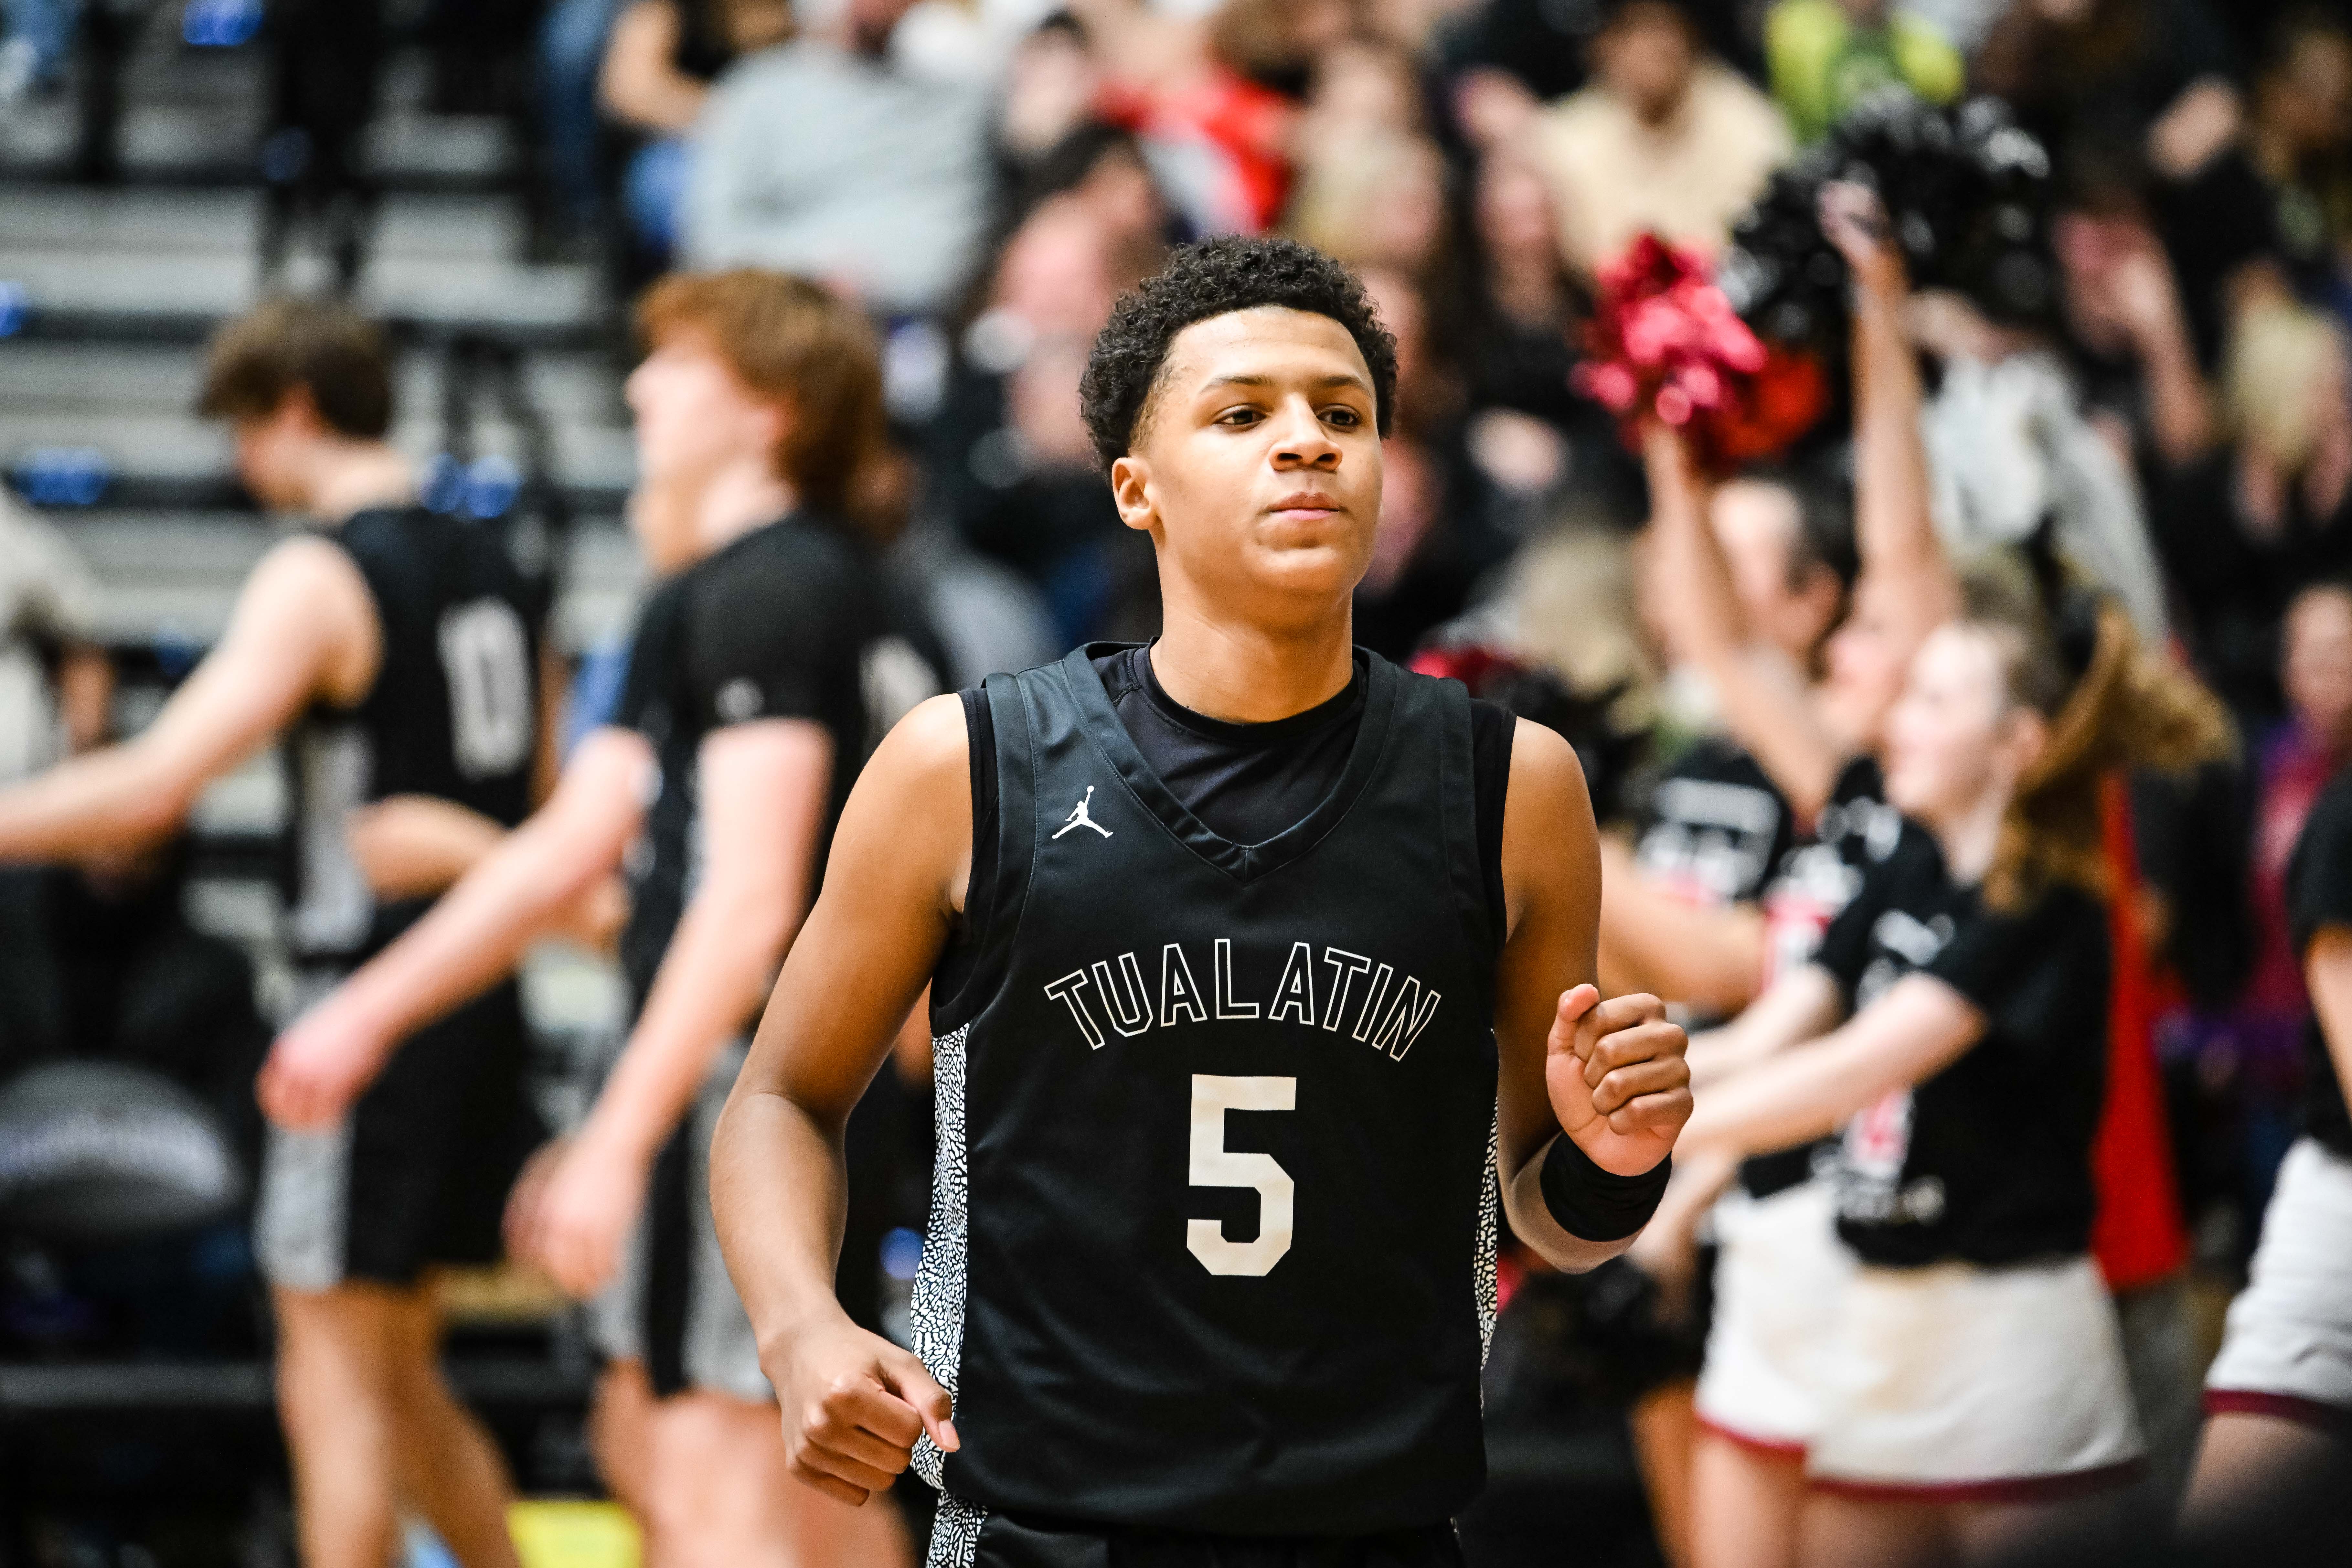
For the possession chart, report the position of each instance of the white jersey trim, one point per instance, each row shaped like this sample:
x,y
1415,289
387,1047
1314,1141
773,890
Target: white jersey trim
x,y
935,1311
955,1533
1483,1270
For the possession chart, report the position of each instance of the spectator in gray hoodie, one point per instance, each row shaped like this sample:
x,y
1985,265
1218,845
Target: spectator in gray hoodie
x,y
827,156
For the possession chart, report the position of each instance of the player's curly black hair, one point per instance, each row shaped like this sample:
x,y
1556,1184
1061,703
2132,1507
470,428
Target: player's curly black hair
x,y
1215,278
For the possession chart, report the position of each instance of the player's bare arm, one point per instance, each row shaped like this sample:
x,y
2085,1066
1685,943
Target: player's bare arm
x,y
1894,526
852,1403
472,939
304,630
1800,1005
2328,971
415,845
1803,1004
1917,1027
762,789
1653,938
1763,692
1609,1076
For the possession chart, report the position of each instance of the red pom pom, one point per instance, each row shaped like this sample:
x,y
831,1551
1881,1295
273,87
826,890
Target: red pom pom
x,y
1472,664
1663,343
1784,399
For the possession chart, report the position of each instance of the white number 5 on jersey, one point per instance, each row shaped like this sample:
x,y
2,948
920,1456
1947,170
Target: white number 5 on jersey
x,y
1214,1165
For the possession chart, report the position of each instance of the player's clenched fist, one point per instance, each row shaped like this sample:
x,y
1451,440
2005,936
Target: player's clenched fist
x,y
1617,1078
854,1405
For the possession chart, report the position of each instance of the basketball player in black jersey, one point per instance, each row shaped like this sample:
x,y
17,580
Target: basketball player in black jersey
x,y
400,651
1261,972
762,669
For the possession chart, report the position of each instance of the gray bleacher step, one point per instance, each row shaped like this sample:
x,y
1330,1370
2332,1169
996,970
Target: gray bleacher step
x,y
201,112
547,298
480,226
132,404
427,148
158,139
567,388
175,448
160,66
200,283
174,576
176,298
183,110
89,377
159,70
585,387
84,221
146,444
164,577
421,226
37,137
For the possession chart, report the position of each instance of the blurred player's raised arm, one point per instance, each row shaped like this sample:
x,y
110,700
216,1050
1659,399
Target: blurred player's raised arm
x,y
304,629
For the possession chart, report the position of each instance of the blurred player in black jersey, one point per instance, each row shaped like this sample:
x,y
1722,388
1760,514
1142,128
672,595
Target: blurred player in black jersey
x,y
763,669
401,653
1261,977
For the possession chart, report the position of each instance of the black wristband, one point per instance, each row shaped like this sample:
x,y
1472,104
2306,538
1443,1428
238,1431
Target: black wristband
x,y
1594,1204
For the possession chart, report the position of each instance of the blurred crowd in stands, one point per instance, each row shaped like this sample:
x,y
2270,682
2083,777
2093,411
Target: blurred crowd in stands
x,y
987,176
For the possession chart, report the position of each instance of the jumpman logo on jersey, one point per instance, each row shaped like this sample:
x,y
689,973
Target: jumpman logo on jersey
x,y
1078,817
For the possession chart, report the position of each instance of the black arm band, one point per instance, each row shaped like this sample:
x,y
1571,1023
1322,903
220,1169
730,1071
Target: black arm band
x,y
1594,1204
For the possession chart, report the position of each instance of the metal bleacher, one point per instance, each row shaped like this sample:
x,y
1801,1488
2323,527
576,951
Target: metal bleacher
x,y
131,210
108,293
509,390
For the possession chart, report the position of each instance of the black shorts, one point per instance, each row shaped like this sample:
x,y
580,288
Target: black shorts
x,y
1005,1542
418,1175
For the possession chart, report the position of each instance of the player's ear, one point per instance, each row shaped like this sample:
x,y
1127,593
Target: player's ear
x,y
1130,490
2023,737
297,413
777,418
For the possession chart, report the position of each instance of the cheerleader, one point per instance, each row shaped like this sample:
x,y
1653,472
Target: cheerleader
x,y
1801,693
1779,1268
2278,1398
1953,1022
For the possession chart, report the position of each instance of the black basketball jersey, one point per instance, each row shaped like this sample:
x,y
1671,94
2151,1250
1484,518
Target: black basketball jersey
x,y
792,620
1212,1235
454,713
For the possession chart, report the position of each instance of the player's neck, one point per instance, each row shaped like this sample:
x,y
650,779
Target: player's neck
x,y
1245,674
1970,838
736,499
346,477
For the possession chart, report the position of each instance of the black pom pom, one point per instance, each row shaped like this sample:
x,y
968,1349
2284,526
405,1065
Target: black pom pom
x,y
1967,191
